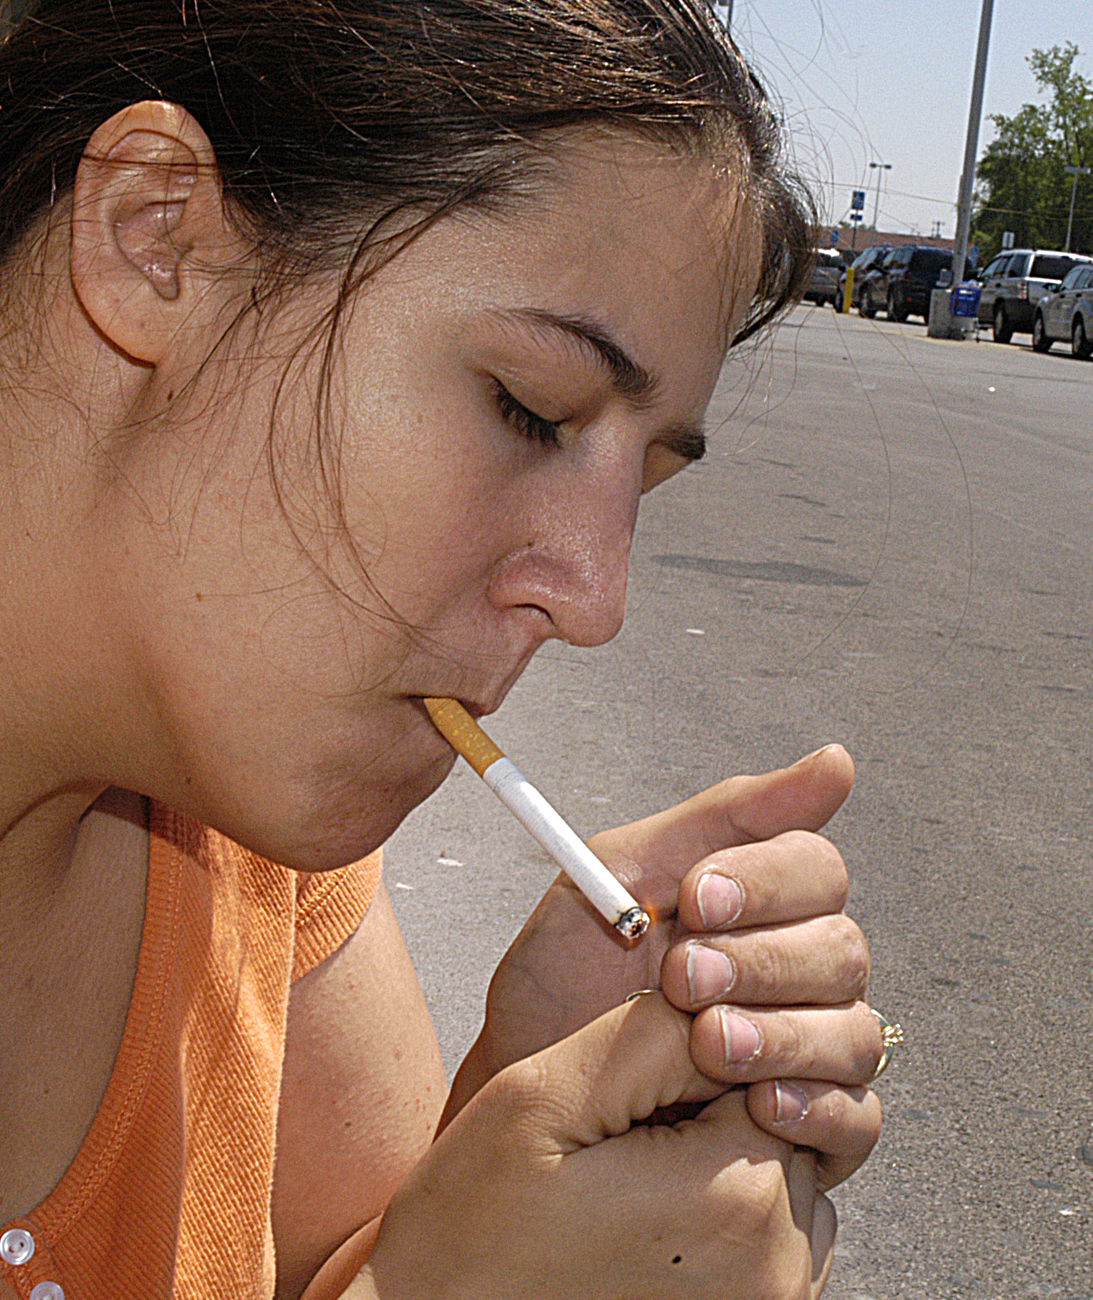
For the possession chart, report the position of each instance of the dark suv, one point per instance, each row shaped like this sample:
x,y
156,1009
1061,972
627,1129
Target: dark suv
x,y
1014,282
903,282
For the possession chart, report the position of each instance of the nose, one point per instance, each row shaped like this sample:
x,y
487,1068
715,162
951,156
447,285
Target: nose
x,y
570,575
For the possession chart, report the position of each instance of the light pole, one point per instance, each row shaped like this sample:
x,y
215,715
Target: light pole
x,y
975,112
880,168
1075,172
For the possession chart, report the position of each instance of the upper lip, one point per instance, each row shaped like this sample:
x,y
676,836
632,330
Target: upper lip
x,y
488,697
479,704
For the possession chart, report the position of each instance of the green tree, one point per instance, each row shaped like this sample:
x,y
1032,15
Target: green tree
x,y
1021,182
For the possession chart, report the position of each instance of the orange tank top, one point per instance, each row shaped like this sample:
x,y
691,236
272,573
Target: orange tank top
x,y
169,1196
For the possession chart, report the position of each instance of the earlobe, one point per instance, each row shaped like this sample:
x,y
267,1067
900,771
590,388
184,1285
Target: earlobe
x,y
147,226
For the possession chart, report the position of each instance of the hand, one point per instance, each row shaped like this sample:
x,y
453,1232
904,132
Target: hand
x,y
546,1183
786,938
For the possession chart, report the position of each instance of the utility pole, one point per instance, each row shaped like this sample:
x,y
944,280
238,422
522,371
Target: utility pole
x,y
1075,172
967,177
881,168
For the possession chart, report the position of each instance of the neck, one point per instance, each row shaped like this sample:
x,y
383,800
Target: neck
x,y
55,706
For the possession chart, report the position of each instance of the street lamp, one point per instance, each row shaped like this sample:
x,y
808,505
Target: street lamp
x,y
1075,172
880,167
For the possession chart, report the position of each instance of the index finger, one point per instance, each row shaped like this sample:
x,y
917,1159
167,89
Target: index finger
x,y
789,877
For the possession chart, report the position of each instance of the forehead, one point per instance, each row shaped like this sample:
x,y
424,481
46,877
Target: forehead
x,y
660,247
620,196
639,223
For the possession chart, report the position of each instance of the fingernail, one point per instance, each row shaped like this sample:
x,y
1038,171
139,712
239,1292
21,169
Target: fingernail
x,y
742,1040
790,1103
720,899
710,974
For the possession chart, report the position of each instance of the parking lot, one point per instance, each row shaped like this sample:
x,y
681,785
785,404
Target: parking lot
x,y
890,545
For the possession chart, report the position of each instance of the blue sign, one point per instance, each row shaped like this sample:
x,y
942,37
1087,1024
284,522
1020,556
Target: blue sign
x,y
834,239
857,200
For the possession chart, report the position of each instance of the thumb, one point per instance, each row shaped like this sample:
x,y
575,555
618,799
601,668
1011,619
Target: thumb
x,y
741,810
612,1073
803,797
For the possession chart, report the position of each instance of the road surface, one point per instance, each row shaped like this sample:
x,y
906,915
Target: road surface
x,y
890,545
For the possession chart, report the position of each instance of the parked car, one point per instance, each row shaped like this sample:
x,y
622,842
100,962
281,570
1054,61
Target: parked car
x,y
824,285
902,283
865,261
1013,284
1067,313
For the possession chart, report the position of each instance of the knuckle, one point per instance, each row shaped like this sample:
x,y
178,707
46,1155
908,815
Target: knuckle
x,y
752,1203
840,877
830,863
767,966
850,952
520,1088
829,877
795,1047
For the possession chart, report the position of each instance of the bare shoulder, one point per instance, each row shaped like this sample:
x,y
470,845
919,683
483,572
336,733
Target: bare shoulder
x,y
362,1092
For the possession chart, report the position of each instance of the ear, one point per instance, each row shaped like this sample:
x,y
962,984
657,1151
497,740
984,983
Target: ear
x,y
148,226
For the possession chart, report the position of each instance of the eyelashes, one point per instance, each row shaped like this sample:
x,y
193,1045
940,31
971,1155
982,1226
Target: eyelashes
x,y
524,421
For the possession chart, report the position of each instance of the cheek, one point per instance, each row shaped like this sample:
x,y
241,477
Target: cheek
x,y
321,646
426,505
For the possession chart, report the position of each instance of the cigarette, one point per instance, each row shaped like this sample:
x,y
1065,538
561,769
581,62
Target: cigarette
x,y
532,811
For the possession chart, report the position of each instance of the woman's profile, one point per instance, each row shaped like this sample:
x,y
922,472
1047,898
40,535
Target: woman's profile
x,y
341,343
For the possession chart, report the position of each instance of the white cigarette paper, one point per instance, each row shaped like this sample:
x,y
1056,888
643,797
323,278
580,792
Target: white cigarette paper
x,y
614,903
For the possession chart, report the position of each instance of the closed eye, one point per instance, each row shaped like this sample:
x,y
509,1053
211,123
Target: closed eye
x,y
525,421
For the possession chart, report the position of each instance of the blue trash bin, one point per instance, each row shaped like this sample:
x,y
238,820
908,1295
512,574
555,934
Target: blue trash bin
x,y
964,299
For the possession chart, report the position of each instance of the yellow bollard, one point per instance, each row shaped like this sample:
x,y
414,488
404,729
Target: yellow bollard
x,y
848,291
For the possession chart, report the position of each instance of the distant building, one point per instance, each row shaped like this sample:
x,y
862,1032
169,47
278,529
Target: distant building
x,y
852,239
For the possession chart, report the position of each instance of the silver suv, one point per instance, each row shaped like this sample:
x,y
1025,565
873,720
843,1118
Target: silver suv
x,y
1014,282
1067,313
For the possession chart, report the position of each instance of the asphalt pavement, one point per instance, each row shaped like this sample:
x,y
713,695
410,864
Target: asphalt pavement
x,y
890,545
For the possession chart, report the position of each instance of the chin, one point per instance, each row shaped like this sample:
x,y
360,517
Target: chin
x,y
344,824
320,806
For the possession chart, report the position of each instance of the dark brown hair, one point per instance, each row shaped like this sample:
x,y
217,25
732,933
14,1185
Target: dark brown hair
x,y
330,118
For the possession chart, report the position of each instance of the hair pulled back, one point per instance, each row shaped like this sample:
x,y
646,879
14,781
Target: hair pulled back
x,y
330,118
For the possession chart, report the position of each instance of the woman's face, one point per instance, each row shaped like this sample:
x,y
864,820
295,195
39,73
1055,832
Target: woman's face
x,y
501,395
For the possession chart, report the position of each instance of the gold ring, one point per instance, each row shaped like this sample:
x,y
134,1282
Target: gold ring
x,y
639,993
891,1036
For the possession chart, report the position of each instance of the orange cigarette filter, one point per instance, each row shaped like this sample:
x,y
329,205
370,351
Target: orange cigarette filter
x,y
464,735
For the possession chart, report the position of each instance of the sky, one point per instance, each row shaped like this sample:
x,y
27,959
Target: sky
x,y
889,81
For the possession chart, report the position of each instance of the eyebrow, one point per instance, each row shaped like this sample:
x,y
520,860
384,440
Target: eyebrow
x,y
629,379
